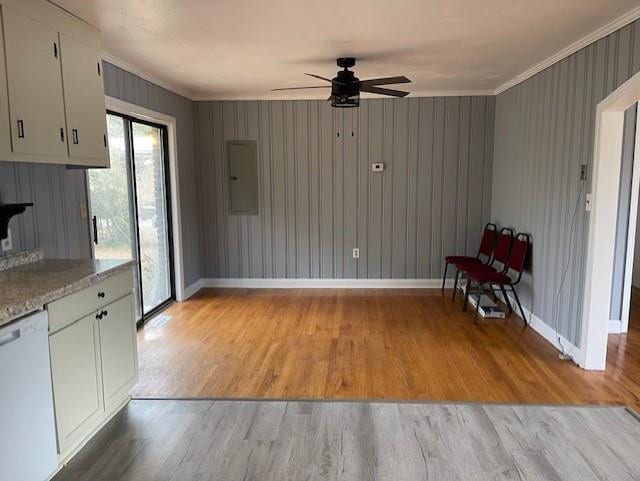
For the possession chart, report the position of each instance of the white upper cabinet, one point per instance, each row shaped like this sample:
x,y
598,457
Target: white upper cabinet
x,y
51,94
84,101
36,107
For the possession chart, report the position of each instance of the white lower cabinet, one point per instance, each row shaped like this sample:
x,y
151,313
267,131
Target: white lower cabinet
x,y
94,360
77,384
119,352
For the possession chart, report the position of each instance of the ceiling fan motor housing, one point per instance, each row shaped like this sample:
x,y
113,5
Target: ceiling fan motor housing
x,y
345,90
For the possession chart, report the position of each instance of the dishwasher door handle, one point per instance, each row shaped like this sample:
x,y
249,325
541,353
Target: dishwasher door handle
x,y
9,337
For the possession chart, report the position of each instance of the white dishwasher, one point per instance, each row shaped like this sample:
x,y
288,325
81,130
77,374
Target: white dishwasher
x,y
27,427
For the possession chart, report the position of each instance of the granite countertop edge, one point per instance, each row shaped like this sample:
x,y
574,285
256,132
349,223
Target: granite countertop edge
x,y
11,313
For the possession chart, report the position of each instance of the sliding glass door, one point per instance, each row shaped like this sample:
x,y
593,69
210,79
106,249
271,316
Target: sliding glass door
x,y
130,208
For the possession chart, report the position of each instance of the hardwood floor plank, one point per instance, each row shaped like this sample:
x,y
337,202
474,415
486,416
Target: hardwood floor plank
x,y
368,344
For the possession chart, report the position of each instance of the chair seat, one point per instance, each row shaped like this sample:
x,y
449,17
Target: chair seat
x,y
456,259
488,277
473,264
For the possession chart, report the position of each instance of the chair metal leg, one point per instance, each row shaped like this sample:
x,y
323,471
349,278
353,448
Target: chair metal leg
x,y
506,299
475,315
455,285
493,291
444,276
524,318
466,295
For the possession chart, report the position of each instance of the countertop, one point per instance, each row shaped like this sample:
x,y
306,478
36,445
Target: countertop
x,y
27,288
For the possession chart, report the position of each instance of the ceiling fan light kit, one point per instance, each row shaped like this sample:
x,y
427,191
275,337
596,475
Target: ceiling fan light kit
x,y
346,87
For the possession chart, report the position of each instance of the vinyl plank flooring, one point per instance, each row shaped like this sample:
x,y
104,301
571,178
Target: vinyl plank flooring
x,y
356,441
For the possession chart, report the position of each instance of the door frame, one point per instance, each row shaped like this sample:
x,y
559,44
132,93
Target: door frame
x,y
143,114
631,232
605,188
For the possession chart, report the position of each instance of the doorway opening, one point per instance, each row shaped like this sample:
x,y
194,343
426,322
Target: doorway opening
x,y
131,209
605,206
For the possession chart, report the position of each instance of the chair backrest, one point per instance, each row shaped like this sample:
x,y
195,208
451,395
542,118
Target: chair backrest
x,y
488,241
503,246
518,255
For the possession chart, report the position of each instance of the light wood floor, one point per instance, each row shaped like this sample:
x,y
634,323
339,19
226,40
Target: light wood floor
x,y
355,441
367,344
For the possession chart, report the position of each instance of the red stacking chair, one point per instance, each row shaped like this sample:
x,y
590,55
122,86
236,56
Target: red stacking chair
x,y
500,254
484,252
514,266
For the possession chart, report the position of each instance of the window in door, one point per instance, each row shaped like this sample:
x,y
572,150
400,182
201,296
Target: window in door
x,y
130,206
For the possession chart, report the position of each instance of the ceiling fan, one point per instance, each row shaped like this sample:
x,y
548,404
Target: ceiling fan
x,y
346,87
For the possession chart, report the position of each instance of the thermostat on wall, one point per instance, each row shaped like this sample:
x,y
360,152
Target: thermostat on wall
x,y
377,167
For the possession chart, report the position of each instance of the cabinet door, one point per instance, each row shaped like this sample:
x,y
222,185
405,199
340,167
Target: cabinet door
x,y
75,373
5,140
36,107
84,103
119,350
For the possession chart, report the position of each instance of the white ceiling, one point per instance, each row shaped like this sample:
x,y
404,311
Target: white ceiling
x,y
240,49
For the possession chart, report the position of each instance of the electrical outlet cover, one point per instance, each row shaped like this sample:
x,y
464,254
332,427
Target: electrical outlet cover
x,y
7,243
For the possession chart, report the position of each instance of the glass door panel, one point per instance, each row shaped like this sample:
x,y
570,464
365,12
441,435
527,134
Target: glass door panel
x,y
151,205
130,209
111,199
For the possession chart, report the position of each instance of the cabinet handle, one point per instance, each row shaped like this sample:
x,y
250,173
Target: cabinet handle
x,y
234,178
99,70
61,134
20,129
94,225
105,312
74,132
55,49
101,294
102,314
99,315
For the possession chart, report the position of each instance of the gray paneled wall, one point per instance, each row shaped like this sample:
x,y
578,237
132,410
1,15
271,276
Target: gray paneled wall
x,y
544,132
130,88
319,198
54,223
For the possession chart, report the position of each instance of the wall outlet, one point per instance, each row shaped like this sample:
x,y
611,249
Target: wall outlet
x,y
583,172
377,167
356,253
588,200
7,244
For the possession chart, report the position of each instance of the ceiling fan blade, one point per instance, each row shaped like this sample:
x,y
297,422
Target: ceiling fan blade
x,y
319,77
386,81
300,88
326,79
378,90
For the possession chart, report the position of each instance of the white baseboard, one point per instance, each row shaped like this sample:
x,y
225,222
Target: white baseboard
x,y
548,332
326,283
615,326
189,291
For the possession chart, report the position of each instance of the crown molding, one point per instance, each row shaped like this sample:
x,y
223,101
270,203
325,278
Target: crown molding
x,y
585,41
171,87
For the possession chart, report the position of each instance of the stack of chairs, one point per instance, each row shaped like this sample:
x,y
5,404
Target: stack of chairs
x,y
498,265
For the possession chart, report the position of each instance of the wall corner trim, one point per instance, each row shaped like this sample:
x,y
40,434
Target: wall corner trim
x,y
594,36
